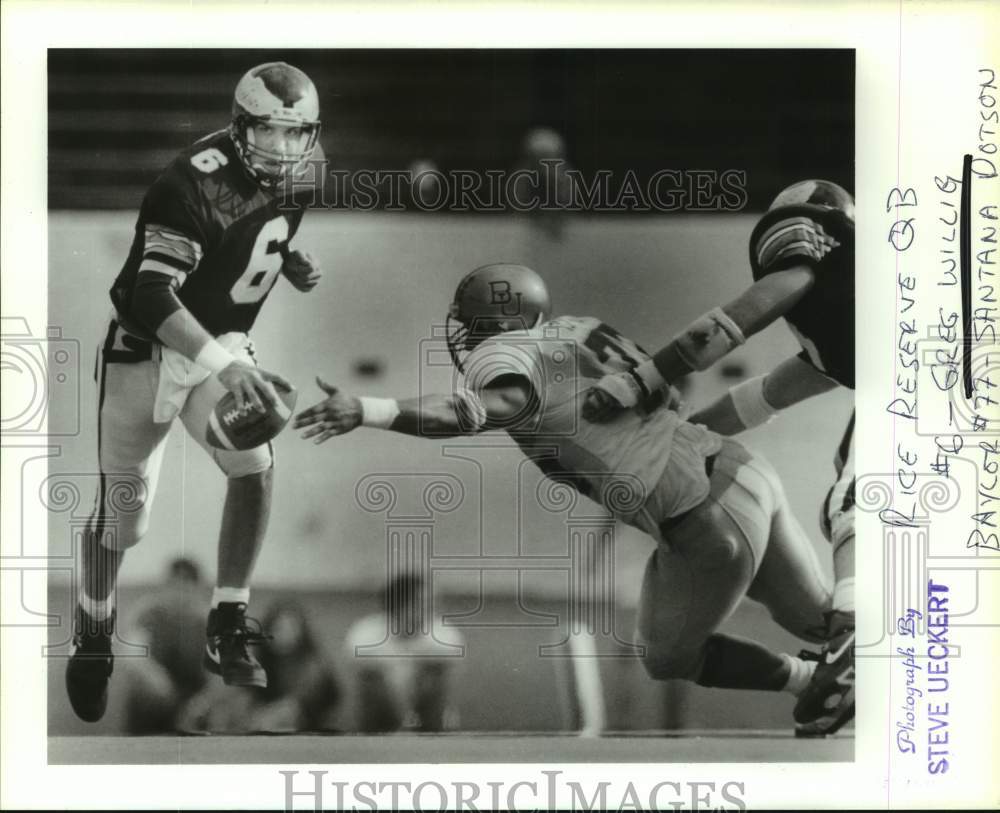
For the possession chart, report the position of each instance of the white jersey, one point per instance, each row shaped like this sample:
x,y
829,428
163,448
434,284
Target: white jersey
x,y
620,463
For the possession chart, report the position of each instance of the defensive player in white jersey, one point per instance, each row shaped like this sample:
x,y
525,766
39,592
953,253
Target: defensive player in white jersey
x,y
717,512
802,259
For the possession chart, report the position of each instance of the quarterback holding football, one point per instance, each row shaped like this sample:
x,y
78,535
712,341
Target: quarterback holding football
x,y
717,512
802,258
210,241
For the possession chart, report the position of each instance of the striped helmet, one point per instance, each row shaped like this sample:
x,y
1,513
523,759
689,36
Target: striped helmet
x,y
275,94
825,194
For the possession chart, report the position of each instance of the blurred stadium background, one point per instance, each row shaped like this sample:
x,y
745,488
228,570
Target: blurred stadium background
x,y
117,117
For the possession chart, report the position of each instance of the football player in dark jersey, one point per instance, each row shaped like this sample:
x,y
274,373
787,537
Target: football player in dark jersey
x,y
802,256
210,242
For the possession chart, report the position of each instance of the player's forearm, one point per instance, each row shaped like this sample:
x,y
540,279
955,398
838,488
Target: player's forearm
x,y
702,343
506,402
156,305
182,332
430,416
154,300
713,336
769,298
707,339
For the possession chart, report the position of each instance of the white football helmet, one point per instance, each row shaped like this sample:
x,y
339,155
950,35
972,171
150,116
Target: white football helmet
x,y
279,94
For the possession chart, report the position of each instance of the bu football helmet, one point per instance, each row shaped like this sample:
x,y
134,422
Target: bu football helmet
x,y
278,94
824,194
494,299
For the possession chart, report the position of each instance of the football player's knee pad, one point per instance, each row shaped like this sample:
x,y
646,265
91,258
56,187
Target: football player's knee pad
x,y
235,464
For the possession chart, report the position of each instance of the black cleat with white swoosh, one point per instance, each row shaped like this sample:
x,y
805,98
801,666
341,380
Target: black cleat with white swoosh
x,y
828,701
227,651
88,670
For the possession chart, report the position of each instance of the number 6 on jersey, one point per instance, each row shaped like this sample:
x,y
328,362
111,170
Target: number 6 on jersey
x,y
263,265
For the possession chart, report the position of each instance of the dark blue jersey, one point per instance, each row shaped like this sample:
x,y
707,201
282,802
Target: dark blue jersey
x,y
823,320
214,233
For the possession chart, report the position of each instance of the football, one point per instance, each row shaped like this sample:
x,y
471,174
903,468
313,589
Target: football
x,y
234,429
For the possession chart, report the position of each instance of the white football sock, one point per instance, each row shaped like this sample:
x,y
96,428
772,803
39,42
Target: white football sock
x,y
843,595
98,610
230,595
800,674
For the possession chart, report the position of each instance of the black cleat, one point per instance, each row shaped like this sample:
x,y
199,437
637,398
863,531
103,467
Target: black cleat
x,y
828,701
227,650
90,664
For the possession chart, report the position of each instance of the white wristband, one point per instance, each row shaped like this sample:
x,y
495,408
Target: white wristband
x,y
632,387
622,387
651,377
751,406
213,356
378,413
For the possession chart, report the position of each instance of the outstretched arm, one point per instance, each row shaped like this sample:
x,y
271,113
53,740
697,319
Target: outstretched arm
x,y
702,343
504,403
756,401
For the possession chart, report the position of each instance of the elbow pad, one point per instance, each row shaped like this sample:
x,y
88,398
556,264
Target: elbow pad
x,y
708,339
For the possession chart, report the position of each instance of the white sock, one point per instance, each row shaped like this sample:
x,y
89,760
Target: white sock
x,y
230,595
98,610
799,675
843,595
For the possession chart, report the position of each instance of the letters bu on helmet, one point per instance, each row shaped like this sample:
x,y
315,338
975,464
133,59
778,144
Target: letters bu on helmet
x,y
277,94
494,299
823,195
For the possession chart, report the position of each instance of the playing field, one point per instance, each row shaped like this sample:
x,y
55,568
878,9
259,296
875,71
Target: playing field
x,y
692,746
